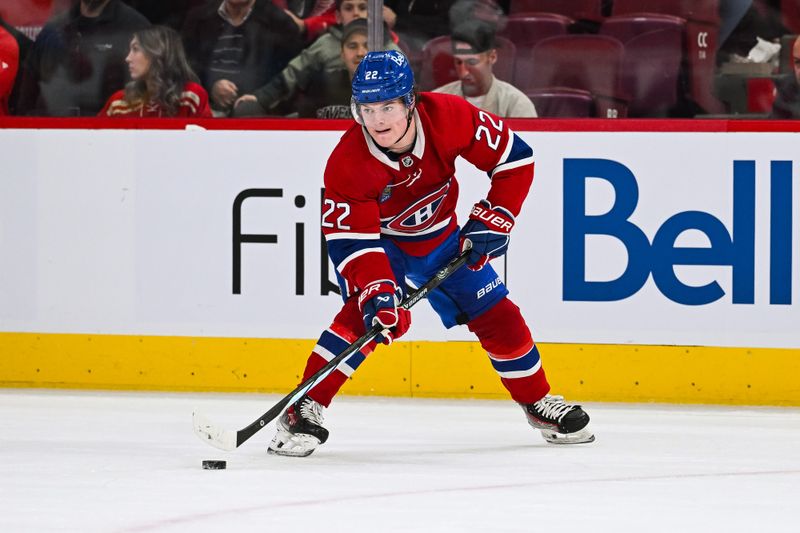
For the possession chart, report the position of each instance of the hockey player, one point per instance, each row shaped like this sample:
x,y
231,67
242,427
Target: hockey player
x,y
388,216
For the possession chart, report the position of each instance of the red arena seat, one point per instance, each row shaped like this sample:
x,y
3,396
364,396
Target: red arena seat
x,y
790,12
437,66
651,68
700,44
589,62
562,102
527,29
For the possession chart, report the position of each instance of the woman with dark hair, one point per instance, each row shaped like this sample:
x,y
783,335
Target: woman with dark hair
x,y
162,82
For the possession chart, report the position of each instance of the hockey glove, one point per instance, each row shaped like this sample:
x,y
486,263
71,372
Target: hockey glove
x,y
486,234
379,304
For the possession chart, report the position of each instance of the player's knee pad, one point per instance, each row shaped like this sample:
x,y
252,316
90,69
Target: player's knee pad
x,y
502,331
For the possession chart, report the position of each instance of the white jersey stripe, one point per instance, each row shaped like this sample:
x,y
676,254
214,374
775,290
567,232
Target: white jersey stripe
x,y
512,164
359,236
355,255
507,149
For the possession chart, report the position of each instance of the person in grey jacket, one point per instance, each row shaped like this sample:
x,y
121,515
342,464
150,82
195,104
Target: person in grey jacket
x,y
322,56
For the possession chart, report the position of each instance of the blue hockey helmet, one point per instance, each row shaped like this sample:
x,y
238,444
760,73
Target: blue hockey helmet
x,y
383,76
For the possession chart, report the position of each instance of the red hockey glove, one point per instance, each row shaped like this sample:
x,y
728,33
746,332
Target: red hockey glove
x,y
379,304
486,234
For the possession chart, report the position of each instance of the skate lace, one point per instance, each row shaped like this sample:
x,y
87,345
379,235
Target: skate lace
x,y
312,411
553,407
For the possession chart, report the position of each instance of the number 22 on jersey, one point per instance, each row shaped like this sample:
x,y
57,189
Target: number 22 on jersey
x,y
330,211
492,138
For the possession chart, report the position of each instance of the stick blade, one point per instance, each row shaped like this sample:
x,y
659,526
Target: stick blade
x,y
211,434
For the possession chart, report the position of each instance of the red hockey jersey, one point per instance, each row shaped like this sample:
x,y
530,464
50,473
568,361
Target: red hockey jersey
x,y
369,196
193,103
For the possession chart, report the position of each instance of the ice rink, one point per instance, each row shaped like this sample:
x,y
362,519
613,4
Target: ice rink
x,y
129,462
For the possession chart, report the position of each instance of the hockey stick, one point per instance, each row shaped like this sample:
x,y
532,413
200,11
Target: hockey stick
x,y
229,440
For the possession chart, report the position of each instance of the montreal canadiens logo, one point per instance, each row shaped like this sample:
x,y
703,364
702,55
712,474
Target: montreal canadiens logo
x,y
422,214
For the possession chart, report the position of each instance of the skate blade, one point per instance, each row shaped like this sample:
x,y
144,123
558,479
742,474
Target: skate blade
x,y
579,437
287,445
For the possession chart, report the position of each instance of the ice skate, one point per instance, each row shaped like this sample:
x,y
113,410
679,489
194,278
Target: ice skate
x,y
559,422
299,430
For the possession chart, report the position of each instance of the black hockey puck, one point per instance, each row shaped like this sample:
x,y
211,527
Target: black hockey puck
x,y
214,465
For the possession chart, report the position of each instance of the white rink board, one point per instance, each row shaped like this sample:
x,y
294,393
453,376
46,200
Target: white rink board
x,y
130,232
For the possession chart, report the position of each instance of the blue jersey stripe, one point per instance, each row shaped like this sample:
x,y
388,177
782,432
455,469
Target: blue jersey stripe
x,y
341,249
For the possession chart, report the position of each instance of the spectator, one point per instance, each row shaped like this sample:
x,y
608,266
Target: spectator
x,y
76,62
236,46
14,47
163,84
329,96
787,99
323,56
474,55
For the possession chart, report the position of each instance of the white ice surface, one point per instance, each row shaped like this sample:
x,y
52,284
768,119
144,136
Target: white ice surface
x,y
129,462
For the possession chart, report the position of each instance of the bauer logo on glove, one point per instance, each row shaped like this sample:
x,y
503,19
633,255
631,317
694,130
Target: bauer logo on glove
x,y
486,233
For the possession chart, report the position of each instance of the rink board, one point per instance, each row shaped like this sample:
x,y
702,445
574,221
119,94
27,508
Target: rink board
x,y
455,369
192,260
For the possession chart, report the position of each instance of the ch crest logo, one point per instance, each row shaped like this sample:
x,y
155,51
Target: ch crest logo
x,y
407,161
421,215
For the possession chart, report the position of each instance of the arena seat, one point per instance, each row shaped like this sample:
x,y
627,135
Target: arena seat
x,y
562,102
702,31
437,66
576,9
589,62
527,29
790,15
651,68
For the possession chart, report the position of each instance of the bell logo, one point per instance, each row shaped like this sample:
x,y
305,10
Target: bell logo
x,y
734,248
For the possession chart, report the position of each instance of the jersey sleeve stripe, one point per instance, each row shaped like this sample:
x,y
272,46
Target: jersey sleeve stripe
x,y
358,236
509,145
343,263
512,165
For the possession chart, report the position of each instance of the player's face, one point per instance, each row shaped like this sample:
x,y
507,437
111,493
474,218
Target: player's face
x,y
386,123
351,10
138,62
353,51
475,71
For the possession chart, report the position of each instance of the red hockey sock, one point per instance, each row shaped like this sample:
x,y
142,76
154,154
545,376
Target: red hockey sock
x,y
503,333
